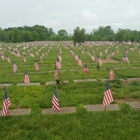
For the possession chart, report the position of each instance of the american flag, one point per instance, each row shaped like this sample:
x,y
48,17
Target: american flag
x,y
8,59
86,71
92,57
43,54
112,76
112,53
117,51
6,105
36,66
24,58
131,48
17,54
2,56
99,61
80,62
41,58
31,54
126,50
100,53
125,59
26,78
60,58
108,56
55,102
14,67
108,98
58,64
76,57
55,73
106,50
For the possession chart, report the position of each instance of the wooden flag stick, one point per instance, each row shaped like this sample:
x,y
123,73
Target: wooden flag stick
x,y
8,112
104,108
56,84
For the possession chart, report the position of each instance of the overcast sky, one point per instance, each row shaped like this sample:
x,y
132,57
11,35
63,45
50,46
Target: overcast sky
x,y
68,14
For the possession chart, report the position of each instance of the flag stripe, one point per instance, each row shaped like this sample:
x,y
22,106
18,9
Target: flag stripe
x,y
6,105
55,102
108,98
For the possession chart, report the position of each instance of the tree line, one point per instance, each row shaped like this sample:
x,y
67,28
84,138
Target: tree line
x,y
42,33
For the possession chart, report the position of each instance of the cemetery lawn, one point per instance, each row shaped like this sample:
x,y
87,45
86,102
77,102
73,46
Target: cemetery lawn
x,y
104,125
82,125
123,124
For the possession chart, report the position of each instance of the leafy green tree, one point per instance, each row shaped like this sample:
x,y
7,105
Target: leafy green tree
x,y
10,34
16,35
43,36
27,36
134,36
119,35
79,35
103,33
41,33
3,35
88,37
62,34
126,36
50,32
34,36
53,37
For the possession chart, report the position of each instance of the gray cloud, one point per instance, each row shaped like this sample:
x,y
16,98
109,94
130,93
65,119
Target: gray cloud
x,y
68,15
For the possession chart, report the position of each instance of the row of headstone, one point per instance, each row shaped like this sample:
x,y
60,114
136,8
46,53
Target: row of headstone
x,y
67,110
66,82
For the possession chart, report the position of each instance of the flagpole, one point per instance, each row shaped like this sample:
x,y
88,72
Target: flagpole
x,y
56,81
104,108
4,88
8,112
56,84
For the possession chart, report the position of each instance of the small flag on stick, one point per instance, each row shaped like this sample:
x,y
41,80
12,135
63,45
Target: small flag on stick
x,y
24,58
80,62
112,76
8,59
86,71
36,66
55,73
6,105
14,67
26,78
108,98
58,64
55,102
99,61
125,59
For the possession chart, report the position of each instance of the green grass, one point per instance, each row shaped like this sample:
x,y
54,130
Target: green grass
x,y
114,125
106,125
